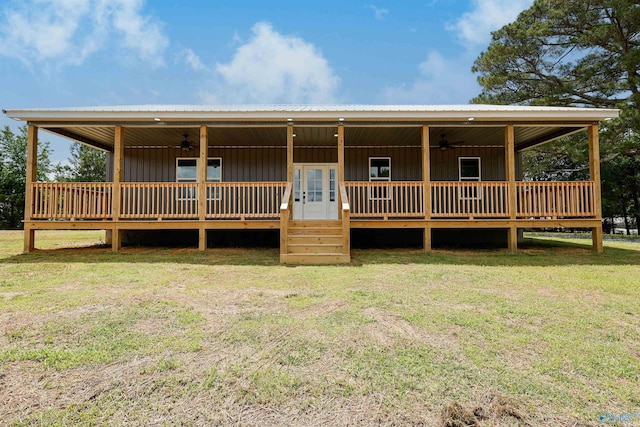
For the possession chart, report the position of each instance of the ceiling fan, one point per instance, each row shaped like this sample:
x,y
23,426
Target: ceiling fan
x,y
185,145
444,144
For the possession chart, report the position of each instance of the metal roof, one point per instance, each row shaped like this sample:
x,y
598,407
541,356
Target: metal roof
x,y
314,112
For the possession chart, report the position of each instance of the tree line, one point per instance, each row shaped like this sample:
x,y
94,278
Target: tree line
x,y
575,53
85,164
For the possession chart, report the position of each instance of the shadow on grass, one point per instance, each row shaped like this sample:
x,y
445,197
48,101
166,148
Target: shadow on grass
x,y
532,252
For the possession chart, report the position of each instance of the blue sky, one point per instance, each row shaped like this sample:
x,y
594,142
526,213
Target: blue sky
x,y
57,53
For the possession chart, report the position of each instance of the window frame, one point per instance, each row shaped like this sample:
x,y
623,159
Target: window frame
x,y
470,193
216,196
381,193
469,179
193,197
186,194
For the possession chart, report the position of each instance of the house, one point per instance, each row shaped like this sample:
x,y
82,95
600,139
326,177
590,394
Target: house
x,y
315,173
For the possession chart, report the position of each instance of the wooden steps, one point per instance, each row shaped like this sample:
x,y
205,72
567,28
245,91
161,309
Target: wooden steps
x,y
315,242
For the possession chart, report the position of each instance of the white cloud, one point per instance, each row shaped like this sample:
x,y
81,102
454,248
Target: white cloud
x,y
140,33
379,12
475,27
191,59
447,80
440,81
273,68
69,31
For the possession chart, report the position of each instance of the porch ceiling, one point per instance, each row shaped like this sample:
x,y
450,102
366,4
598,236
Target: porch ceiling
x,y
526,135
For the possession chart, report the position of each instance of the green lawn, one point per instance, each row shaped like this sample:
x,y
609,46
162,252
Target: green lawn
x,y
549,336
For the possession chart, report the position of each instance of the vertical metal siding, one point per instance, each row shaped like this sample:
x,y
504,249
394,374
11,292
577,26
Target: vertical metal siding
x,y
269,164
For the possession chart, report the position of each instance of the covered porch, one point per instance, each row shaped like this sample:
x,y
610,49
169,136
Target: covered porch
x,y
423,187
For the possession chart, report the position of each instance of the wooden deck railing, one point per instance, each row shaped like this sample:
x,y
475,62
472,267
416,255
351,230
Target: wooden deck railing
x,y
486,199
346,218
285,215
262,200
244,200
399,199
159,200
71,200
555,199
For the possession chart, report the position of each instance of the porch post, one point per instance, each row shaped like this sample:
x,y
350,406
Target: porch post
x,y
510,170
202,187
340,153
32,172
594,175
118,159
290,153
426,191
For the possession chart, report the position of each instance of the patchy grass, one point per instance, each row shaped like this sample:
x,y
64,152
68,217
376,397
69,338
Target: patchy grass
x,y
549,336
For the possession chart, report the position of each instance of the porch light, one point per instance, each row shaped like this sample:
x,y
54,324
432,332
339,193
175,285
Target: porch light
x,y
470,119
294,135
335,135
341,119
157,119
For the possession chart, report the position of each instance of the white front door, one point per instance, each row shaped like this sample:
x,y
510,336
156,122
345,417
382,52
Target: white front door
x,y
315,195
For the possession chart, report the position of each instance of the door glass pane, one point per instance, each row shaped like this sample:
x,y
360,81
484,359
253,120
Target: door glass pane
x,y
314,185
296,185
332,185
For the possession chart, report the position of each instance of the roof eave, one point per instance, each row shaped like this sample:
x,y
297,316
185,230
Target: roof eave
x,y
578,114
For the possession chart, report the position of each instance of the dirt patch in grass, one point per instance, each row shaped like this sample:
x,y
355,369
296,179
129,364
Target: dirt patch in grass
x,y
496,409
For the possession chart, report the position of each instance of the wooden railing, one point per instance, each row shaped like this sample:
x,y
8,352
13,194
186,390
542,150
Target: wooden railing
x,y
261,200
285,214
159,200
385,199
346,219
244,200
555,199
71,200
469,199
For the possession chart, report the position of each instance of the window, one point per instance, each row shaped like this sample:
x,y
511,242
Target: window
x,y
469,171
187,171
379,168
214,174
379,171
469,168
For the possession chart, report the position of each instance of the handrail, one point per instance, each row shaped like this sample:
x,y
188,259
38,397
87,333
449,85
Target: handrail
x,y
553,199
346,219
243,200
286,197
379,199
71,200
344,198
469,199
284,219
